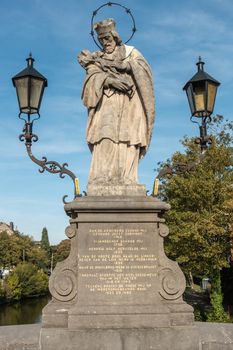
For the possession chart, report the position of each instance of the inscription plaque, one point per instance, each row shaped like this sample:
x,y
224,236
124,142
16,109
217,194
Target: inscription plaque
x,y
116,263
117,278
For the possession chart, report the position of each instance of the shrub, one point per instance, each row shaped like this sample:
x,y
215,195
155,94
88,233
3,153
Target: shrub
x,y
26,281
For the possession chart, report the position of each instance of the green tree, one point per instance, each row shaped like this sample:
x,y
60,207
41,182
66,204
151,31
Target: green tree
x,y
61,251
13,288
10,252
2,291
45,240
38,257
200,221
217,313
17,248
45,246
26,281
32,252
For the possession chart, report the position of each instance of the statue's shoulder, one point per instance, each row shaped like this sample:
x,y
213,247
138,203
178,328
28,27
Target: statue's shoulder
x,y
130,51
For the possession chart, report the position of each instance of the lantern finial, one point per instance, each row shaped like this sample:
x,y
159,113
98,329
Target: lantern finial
x,y
30,60
200,64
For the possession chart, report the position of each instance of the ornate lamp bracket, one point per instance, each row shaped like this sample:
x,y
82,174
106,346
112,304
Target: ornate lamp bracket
x,y
203,140
51,166
181,168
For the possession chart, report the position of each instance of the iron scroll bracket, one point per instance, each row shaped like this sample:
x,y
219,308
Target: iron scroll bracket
x,y
176,169
50,166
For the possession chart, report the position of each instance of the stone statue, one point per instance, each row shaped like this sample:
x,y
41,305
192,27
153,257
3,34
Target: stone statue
x,y
117,289
118,93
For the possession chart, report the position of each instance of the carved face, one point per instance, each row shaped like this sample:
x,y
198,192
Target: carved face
x,y
108,42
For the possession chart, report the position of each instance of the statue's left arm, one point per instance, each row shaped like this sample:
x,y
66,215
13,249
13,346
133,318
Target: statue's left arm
x,y
143,79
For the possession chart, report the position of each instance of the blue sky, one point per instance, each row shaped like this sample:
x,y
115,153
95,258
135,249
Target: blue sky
x,y
171,35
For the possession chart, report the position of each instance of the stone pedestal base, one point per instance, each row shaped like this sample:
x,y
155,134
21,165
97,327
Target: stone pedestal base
x,y
117,289
182,338
116,190
209,336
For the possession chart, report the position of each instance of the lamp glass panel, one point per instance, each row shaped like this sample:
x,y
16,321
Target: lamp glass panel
x,y
190,98
22,92
36,91
212,89
199,95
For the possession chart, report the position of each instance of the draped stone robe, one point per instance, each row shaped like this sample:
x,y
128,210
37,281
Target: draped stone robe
x,y
119,124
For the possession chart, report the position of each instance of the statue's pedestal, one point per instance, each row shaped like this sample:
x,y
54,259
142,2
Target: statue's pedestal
x,y
116,190
117,290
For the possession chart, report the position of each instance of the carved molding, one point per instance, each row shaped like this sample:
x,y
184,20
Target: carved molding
x,y
62,284
70,231
172,282
163,230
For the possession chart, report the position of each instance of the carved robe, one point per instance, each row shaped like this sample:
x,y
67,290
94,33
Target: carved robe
x,y
119,124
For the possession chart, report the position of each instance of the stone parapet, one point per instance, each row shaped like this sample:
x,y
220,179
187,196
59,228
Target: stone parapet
x,y
208,336
21,337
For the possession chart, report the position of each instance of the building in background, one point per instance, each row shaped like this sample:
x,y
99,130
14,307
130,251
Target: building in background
x,y
9,229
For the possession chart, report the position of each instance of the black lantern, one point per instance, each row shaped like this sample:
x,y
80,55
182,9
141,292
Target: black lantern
x,y
201,91
29,84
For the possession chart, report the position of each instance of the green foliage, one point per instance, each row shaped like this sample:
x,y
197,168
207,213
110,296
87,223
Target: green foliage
x,y
199,314
200,220
217,314
26,259
2,291
13,288
61,251
45,240
38,257
17,248
10,250
198,241
26,281
45,247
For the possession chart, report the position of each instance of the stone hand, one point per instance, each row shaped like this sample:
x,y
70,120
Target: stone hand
x,y
117,84
121,66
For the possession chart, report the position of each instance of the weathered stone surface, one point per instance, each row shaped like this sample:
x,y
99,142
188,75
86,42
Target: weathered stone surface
x,y
123,339
117,290
215,336
116,190
118,93
121,204
202,336
22,337
208,336
117,274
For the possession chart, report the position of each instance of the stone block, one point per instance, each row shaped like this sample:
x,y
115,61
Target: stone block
x,y
117,274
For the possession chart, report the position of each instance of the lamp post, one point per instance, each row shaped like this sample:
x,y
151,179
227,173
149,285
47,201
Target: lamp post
x,y
201,92
30,85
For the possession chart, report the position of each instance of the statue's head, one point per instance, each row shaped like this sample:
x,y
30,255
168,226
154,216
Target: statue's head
x,y
107,35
